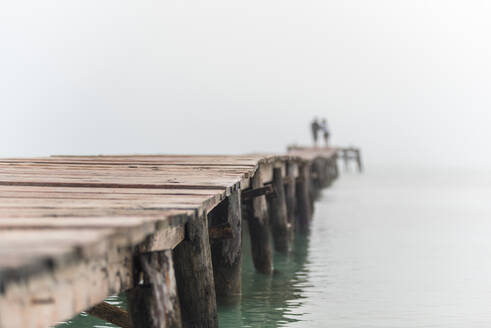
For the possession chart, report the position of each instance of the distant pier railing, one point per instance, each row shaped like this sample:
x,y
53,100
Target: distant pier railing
x,y
346,154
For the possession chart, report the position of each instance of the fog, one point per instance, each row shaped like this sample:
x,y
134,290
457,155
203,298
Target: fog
x,y
407,81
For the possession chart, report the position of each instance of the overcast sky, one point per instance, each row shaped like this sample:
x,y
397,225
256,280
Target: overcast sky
x,y
408,81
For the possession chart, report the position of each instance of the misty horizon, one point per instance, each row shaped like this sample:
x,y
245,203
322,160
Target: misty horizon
x,y
408,82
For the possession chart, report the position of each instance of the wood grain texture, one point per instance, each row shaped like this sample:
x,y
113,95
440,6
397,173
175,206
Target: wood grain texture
x,y
194,275
278,215
227,253
259,231
154,302
71,228
110,313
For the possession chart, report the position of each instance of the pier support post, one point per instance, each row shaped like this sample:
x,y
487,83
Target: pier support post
x,y
194,275
328,172
316,179
335,167
226,253
290,198
258,221
153,302
278,213
358,160
304,210
345,159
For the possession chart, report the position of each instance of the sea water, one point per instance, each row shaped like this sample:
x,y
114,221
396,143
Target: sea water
x,y
392,247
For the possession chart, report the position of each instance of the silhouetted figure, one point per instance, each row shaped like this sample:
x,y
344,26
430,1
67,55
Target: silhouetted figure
x,y
315,126
325,129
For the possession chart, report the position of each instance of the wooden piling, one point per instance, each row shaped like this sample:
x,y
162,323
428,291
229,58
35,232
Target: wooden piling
x,y
226,253
312,187
358,160
258,221
328,172
335,167
153,302
345,159
304,210
194,276
109,222
278,213
316,177
290,197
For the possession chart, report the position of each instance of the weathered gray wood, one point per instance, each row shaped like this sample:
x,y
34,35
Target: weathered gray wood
x,y
358,160
335,167
345,159
328,171
251,193
194,275
48,297
153,302
312,188
278,213
258,221
332,169
48,276
317,181
304,210
290,198
226,253
220,231
110,313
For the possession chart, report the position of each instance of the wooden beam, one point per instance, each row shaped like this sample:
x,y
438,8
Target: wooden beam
x,y
248,194
110,313
220,231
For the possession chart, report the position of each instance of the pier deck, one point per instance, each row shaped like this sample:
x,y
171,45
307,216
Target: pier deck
x,y
74,229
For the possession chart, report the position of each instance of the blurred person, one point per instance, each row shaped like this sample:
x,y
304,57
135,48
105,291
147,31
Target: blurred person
x,y
325,129
315,126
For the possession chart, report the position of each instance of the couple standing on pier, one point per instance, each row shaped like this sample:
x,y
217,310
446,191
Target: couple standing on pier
x,y
316,127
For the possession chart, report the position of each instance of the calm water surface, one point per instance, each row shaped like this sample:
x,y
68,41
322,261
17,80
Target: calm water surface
x,y
389,248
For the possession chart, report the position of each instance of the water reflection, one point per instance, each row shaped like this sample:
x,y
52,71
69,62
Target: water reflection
x,y
268,301
386,249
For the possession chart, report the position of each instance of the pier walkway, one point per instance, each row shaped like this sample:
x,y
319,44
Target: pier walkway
x,y
166,229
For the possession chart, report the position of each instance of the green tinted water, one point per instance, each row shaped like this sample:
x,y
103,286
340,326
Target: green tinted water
x,y
389,248
265,302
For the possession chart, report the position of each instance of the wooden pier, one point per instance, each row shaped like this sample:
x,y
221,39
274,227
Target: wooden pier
x,y
164,229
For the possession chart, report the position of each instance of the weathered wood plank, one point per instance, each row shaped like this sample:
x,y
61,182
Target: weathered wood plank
x,y
63,288
70,228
